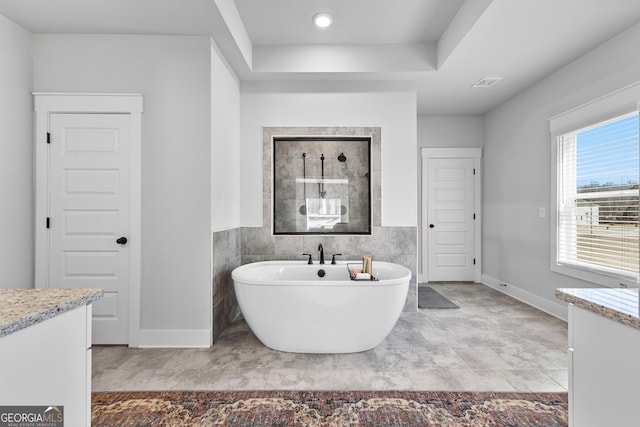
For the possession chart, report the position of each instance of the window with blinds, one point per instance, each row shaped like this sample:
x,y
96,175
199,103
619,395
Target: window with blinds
x,y
597,223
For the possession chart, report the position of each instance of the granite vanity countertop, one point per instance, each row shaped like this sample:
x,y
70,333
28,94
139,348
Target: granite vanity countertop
x,y
21,308
619,304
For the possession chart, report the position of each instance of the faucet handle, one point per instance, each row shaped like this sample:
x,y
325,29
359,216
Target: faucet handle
x,y
333,258
310,260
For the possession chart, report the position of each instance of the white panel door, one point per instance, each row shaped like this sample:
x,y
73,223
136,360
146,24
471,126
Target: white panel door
x,y
89,214
450,219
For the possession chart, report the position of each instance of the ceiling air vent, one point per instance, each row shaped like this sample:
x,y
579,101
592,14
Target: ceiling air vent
x,y
486,82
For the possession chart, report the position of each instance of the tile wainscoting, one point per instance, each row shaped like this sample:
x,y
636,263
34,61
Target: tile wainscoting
x,y
234,247
392,244
226,257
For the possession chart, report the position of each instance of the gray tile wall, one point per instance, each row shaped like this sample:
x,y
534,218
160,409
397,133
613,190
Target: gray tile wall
x,y
232,248
226,257
392,244
376,161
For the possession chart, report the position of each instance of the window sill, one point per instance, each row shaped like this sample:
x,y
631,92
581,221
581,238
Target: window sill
x,y
601,279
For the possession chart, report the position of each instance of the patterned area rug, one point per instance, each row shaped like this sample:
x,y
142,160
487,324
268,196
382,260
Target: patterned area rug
x,y
329,408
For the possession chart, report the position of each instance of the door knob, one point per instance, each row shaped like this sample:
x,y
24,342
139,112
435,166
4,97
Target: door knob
x,y
122,241
431,225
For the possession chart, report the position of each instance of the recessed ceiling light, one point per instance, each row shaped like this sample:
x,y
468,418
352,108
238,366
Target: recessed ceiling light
x,y
486,82
322,20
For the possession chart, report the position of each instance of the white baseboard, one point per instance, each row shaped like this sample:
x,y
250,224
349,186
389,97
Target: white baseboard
x,y
557,309
174,338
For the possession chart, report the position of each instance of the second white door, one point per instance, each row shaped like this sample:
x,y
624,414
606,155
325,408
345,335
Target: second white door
x,y
450,219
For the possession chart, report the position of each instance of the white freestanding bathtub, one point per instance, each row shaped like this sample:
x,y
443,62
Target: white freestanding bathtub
x,y
289,307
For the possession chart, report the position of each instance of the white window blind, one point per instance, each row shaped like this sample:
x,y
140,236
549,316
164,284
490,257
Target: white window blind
x,y
597,223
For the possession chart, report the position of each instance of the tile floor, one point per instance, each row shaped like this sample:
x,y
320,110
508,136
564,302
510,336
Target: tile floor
x,y
492,343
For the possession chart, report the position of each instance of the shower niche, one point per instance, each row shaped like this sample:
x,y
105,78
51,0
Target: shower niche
x,y
321,185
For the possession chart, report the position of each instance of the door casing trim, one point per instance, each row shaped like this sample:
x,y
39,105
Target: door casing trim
x,y
48,103
452,153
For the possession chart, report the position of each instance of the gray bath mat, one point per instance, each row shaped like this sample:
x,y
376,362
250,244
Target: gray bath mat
x,y
428,298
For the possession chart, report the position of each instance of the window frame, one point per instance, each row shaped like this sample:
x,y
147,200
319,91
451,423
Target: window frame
x,y
608,107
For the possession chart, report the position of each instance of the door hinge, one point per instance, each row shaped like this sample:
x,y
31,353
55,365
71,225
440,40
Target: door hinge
x,y
474,171
474,216
48,138
474,261
48,222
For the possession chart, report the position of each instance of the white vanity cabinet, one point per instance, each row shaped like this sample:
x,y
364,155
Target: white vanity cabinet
x,y
48,362
604,355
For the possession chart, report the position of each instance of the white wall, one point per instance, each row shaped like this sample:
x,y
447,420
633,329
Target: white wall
x,y
517,164
173,74
450,131
16,157
391,106
444,132
225,144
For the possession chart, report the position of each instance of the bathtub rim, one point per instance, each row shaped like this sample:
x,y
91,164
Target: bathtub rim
x,y
239,275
